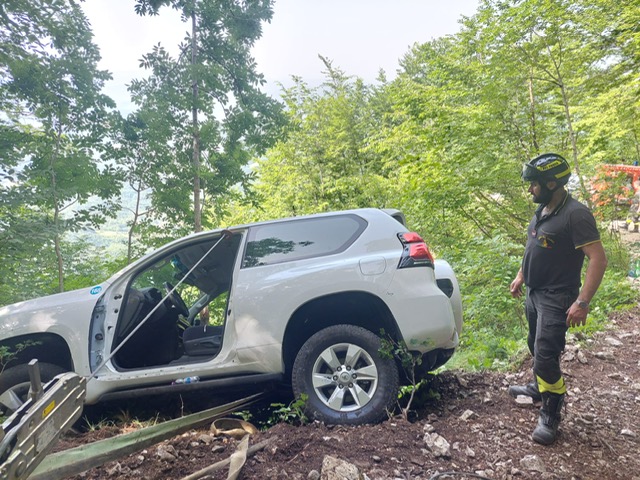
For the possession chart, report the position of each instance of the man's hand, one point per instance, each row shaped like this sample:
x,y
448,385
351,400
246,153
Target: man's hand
x,y
516,285
576,315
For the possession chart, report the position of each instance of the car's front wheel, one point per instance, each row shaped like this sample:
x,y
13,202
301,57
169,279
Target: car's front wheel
x,y
15,383
345,378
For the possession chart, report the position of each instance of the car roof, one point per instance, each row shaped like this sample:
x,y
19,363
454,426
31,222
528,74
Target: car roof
x,y
365,212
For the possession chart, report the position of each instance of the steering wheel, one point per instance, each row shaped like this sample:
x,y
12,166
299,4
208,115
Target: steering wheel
x,y
176,300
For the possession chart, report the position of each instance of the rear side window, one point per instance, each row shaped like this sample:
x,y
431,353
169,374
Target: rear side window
x,y
299,239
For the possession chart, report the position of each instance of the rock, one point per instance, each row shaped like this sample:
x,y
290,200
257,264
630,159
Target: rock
x,y
533,462
437,445
428,428
217,449
205,438
628,433
523,400
167,453
469,452
585,419
463,383
115,470
482,473
582,358
335,469
614,342
467,414
376,459
313,475
605,355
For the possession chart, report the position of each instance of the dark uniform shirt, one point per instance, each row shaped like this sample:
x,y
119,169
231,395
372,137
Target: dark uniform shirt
x,y
553,257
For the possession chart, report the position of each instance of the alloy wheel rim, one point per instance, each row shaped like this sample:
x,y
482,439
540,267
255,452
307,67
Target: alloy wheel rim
x,y
345,377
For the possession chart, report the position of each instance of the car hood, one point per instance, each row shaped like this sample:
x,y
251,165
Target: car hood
x,y
62,310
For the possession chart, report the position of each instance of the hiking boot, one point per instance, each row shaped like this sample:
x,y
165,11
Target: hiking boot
x,y
528,390
549,420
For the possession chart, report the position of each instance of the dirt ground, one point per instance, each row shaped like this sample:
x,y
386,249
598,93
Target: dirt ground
x,y
487,431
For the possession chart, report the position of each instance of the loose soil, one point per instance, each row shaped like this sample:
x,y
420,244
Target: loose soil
x,y
489,432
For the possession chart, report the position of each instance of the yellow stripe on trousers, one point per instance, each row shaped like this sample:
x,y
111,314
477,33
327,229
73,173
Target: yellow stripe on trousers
x,y
559,387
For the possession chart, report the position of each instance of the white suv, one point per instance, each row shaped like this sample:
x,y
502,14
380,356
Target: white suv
x,y
300,301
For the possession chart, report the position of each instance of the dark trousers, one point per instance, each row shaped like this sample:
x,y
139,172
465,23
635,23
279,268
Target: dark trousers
x,y
546,312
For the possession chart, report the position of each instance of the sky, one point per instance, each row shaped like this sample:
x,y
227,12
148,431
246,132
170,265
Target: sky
x,y
359,36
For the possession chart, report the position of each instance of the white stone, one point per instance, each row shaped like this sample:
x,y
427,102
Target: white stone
x,y
614,342
335,469
605,355
524,400
467,414
582,358
437,444
533,462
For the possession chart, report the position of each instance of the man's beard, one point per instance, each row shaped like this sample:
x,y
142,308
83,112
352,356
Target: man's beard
x,y
544,197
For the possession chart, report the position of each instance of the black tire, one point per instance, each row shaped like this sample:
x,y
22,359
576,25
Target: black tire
x,y
16,380
346,380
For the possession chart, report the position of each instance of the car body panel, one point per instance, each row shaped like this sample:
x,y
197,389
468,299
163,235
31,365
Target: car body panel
x,y
65,314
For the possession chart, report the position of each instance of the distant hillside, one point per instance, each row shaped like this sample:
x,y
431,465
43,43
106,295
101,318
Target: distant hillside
x,y
112,235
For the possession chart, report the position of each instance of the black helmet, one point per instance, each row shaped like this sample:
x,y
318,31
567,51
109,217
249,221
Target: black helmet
x,y
547,167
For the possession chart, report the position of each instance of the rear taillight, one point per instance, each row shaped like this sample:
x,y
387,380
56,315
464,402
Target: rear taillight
x,y
415,252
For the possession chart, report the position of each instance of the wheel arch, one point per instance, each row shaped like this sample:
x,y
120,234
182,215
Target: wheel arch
x,y
358,308
46,347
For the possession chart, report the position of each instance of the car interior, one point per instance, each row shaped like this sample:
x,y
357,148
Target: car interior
x,y
174,309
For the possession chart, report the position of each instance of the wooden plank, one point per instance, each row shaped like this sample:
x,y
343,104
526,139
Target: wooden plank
x,y
70,462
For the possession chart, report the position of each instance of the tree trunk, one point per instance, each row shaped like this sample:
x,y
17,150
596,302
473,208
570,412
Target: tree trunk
x,y
197,208
56,212
572,136
58,250
134,222
532,118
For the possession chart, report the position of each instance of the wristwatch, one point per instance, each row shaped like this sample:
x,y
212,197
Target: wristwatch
x,y
582,303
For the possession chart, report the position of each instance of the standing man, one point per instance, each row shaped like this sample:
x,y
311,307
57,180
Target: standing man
x,y
561,233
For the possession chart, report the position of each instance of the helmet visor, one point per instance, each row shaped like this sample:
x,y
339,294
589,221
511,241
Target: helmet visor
x,y
530,173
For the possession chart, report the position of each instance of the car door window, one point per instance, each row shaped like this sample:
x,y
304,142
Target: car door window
x,y
298,239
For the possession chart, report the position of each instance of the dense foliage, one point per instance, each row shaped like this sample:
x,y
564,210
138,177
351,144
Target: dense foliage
x,y
443,141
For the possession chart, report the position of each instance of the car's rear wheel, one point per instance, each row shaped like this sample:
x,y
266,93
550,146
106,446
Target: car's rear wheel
x,y
344,376
14,384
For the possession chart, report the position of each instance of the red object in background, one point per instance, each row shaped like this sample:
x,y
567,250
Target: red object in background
x,y
602,183
632,170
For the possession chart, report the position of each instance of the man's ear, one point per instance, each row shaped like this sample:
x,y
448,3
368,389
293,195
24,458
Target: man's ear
x,y
551,185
